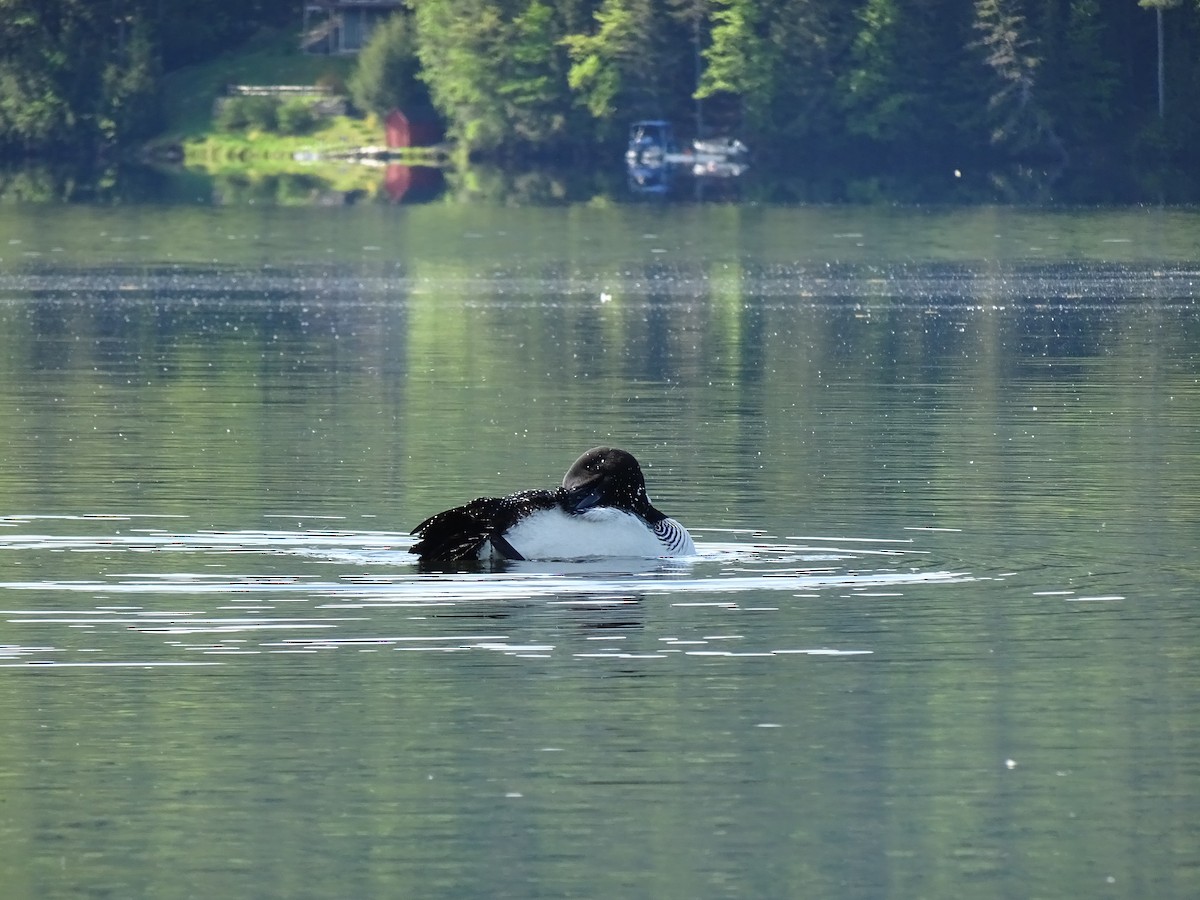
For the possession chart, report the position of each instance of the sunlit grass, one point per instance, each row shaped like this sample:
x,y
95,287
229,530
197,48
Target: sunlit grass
x,y
271,57
338,134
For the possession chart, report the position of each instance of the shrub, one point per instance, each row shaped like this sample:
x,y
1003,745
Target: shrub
x,y
244,113
262,112
386,74
296,116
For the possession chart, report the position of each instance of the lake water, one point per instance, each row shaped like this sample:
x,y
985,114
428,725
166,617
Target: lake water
x,y
941,638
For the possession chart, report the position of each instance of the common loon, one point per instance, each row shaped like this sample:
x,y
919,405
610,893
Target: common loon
x,y
601,510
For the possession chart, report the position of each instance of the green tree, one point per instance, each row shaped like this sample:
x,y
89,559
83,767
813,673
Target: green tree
x,y
74,74
386,75
737,59
495,72
813,41
1158,6
914,82
35,109
635,62
458,43
1079,82
129,106
605,62
783,59
1016,120
534,86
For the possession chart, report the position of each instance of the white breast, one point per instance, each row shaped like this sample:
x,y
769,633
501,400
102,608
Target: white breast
x,y
603,531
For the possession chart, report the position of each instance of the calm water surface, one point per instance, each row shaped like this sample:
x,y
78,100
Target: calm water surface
x,y
940,639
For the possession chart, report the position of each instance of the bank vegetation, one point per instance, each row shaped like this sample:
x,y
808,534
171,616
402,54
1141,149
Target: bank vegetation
x,y
1087,83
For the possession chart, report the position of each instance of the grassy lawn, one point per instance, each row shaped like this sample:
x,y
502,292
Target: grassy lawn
x,y
237,150
269,58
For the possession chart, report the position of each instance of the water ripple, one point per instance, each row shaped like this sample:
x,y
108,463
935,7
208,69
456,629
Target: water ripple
x,y
210,596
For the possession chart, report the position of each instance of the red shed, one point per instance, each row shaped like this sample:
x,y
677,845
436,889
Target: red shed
x,y
411,130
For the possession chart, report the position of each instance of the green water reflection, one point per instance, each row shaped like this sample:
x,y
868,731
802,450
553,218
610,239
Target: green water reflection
x,y
1007,395
334,183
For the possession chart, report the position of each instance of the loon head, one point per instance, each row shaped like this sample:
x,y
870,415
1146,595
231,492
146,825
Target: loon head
x,y
606,476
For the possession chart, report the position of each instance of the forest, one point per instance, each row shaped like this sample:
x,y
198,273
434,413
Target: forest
x,y
1066,82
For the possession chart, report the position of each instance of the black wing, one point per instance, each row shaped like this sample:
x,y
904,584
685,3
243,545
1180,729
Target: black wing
x,y
458,534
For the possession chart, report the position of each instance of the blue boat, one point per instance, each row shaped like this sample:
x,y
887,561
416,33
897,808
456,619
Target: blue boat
x,y
653,156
